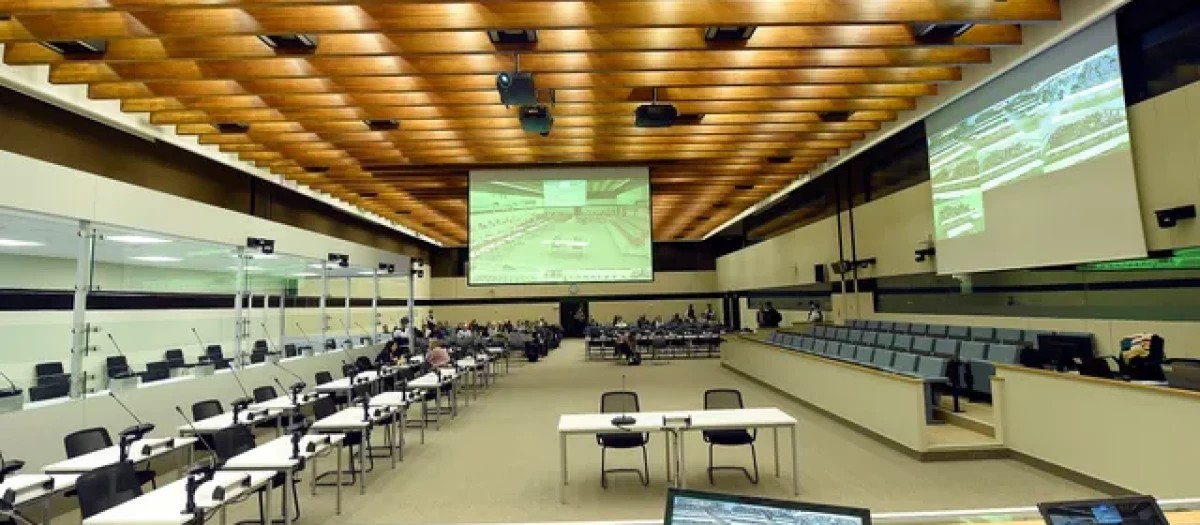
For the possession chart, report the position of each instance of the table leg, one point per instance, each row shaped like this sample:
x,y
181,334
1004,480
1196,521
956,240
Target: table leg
x,y
681,474
312,480
287,509
667,449
191,453
775,442
340,448
795,461
45,510
362,463
562,467
222,511
391,437
266,510
403,419
437,405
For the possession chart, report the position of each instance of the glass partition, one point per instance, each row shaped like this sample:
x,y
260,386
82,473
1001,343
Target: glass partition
x,y
190,287
38,266
280,316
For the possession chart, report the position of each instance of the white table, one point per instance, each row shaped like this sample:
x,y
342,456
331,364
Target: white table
x,y
430,382
496,352
164,506
343,385
351,420
592,424
110,455
399,402
219,422
276,456
31,488
283,406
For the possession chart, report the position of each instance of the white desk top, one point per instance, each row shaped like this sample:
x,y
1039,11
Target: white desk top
x,y
164,506
338,385
701,420
429,380
276,455
107,456
284,402
223,421
350,419
28,487
392,399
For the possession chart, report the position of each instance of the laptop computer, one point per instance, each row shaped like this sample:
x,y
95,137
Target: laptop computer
x,y
691,507
1182,376
1133,510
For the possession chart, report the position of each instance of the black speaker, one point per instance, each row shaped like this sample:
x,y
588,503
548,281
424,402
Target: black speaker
x,y
1169,217
516,88
819,273
655,116
536,119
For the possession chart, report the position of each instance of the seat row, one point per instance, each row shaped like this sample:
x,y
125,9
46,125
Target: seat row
x,y
930,367
985,334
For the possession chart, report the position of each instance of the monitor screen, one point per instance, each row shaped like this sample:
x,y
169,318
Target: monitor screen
x,y
689,507
1138,510
564,225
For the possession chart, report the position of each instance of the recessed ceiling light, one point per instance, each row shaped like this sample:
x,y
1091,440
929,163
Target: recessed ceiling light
x,y
136,239
155,258
248,268
14,243
306,274
366,273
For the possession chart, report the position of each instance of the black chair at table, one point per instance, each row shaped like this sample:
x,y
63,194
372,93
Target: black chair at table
x,y
263,394
728,398
92,439
323,377
622,401
325,407
49,391
156,371
235,440
50,373
174,358
213,354
106,487
202,410
118,367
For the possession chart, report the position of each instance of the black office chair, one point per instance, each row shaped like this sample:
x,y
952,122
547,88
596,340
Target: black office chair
x,y
50,372
323,377
289,350
235,440
106,487
258,356
118,367
622,402
214,355
92,439
728,398
325,407
156,371
203,410
174,358
50,390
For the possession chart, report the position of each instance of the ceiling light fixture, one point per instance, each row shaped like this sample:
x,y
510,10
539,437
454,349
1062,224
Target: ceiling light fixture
x,y
14,243
135,239
729,33
232,127
78,49
156,258
295,43
382,124
513,36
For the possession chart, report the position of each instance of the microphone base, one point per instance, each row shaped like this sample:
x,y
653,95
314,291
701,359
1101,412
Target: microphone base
x,y
623,421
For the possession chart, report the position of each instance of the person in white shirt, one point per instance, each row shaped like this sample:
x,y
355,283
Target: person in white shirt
x,y
814,313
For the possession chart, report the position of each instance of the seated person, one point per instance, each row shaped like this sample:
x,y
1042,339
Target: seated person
x,y
390,354
438,356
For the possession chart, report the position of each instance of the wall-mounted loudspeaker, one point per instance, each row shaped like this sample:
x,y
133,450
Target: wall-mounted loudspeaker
x,y
819,273
1170,217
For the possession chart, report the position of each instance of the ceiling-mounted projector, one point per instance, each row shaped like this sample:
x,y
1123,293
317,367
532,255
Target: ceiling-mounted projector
x,y
536,119
655,116
516,89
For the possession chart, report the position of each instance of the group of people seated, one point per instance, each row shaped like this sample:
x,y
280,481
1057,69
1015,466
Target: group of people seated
x,y
626,335
435,338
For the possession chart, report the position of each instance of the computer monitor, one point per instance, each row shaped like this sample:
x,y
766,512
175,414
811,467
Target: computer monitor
x,y
1064,351
1133,510
690,507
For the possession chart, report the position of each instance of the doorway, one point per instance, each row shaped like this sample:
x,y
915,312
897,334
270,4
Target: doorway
x,y
573,317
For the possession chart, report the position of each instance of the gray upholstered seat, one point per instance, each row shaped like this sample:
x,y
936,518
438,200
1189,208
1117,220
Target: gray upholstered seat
x,y
902,342
922,345
947,348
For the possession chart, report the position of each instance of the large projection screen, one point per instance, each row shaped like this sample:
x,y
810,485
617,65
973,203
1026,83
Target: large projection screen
x,y
560,226
1035,168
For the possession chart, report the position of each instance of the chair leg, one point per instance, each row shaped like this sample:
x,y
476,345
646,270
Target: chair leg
x,y
710,465
754,459
603,469
646,466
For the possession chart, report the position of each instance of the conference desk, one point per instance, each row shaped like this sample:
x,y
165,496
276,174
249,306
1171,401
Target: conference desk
x,y
351,420
222,421
432,381
748,418
165,505
25,489
140,451
276,456
399,402
282,406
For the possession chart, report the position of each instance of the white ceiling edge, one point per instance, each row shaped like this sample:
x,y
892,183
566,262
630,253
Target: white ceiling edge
x,y
33,81
1076,16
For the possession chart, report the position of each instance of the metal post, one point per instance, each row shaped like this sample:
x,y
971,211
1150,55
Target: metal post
x,y
346,314
324,296
375,311
79,327
412,316
282,313
238,313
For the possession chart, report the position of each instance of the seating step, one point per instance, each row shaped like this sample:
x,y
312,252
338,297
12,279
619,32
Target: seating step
x,y
975,417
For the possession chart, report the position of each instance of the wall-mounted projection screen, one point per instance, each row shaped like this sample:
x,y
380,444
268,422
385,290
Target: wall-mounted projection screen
x,y
560,226
1035,168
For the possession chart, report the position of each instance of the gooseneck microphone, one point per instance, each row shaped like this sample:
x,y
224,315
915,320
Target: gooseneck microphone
x,y
133,433
124,373
203,442
11,390
303,333
364,331
270,343
623,419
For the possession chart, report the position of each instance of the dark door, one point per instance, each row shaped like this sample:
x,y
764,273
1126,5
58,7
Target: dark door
x,y
573,316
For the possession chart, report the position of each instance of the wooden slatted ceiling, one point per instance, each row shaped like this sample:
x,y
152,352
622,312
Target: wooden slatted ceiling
x,y
430,65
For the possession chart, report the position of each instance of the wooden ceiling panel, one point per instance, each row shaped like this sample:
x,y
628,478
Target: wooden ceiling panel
x,y
762,106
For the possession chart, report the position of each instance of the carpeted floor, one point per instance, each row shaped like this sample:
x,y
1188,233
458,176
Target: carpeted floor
x,y
498,461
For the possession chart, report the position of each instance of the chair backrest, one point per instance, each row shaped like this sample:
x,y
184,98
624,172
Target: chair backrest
x,y
886,326
848,351
232,441
116,363
822,331
932,367
946,347
289,350
872,325
854,323
619,401
864,354
722,398
972,351
806,343
81,442
206,409
868,338
834,348
905,362
842,334
883,358
918,329
264,393
820,345
885,340
923,345
958,332
257,357
174,358
260,344
323,377
324,407
47,369
1007,354
983,333
156,371
776,337
50,390
900,328
1008,336
1030,338
213,351
902,342
936,330
106,487
855,335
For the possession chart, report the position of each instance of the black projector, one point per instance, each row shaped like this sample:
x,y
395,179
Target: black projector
x,y
516,88
536,119
655,116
